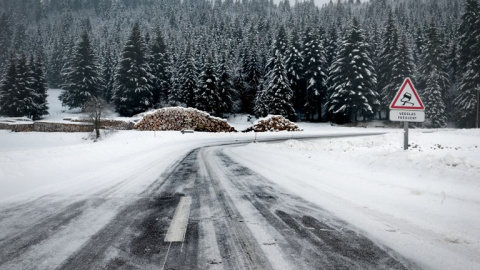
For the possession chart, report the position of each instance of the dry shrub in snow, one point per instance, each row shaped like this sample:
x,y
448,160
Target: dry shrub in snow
x,y
273,123
177,118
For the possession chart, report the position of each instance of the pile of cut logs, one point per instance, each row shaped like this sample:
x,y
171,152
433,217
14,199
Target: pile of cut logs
x,y
273,123
177,118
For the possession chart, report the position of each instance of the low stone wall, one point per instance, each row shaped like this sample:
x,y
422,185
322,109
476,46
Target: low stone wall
x,y
75,126
27,127
110,124
117,124
5,126
62,127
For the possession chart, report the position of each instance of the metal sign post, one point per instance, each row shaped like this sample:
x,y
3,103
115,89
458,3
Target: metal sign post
x,y
407,107
405,135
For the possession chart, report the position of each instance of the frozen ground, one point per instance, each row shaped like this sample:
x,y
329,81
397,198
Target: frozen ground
x,y
423,202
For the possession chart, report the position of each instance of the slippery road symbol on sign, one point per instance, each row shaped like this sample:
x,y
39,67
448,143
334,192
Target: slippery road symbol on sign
x,y
407,98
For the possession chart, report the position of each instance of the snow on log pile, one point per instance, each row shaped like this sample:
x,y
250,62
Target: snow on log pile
x,y
273,123
177,118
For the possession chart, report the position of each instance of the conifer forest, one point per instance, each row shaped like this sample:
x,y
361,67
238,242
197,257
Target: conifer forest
x,y
341,62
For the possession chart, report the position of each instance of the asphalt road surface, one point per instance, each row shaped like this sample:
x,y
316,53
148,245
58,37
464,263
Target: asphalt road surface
x,y
235,219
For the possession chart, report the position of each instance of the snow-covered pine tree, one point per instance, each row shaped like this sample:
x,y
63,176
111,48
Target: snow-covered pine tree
x,y
174,94
294,66
331,47
419,44
17,98
466,103
401,68
315,77
435,116
160,66
25,94
133,80
84,77
109,65
187,82
9,104
66,60
433,63
226,91
387,59
55,61
453,65
240,87
252,75
40,87
206,94
353,79
276,99
280,44
6,34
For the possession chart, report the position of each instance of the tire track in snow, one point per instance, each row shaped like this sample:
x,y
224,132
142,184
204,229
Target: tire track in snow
x,y
319,239
11,248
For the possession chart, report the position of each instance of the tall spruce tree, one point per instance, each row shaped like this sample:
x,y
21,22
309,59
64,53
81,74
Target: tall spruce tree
x,y
55,63
226,90
252,74
206,94
467,101
133,80
40,87
84,77
109,64
160,66
315,77
294,66
433,64
188,75
388,56
9,100
353,79
25,94
434,106
17,97
280,45
277,97
6,34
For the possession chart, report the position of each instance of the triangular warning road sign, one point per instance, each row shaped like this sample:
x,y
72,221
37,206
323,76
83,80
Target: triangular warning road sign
x,y
407,98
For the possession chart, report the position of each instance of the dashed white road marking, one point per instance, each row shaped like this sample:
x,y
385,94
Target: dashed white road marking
x,y
178,228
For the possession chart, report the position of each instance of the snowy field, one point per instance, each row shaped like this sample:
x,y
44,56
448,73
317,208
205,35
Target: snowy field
x,y
424,202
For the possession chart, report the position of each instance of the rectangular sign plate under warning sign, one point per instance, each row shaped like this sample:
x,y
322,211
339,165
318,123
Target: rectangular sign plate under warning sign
x,y
407,115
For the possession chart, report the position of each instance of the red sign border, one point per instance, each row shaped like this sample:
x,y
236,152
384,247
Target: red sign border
x,y
400,91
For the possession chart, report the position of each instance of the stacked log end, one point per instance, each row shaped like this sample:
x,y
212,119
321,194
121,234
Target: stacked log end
x,y
177,118
273,123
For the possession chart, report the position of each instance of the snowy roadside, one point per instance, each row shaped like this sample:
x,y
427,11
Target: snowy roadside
x,y
422,202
